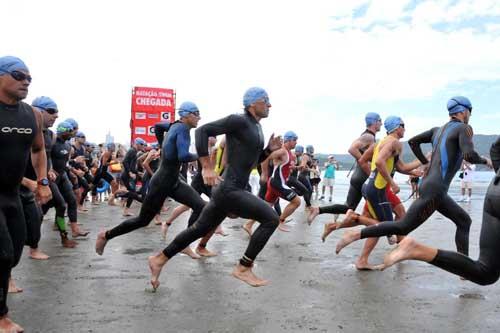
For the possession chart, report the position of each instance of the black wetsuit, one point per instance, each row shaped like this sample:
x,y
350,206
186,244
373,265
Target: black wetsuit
x,y
154,165
130,166
198,184
486,269
18,130
165,182
32,212
354,194
244,144
57,200
60,157
160,129
304,178
81,181
102,174
451,143
263,187
298,186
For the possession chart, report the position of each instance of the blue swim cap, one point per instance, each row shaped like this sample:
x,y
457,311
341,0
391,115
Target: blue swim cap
x,y
155,145
458,104
186,108
72,122
290,136
254,94
139,141
299,149
44,103
392,123
110,146
371,118
64,127
9,64
309,149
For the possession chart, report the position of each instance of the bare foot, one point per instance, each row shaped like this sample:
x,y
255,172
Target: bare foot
x,y
38,255
188,251
393,239
347,238
79,233
82,209
362,265
313,212
202,251
164,229
328,229
283,227
13,289
67,243
156,263
246,275
100,242
158,220
402,252
127,213
350,216
111,201
8,326
220,231
248,228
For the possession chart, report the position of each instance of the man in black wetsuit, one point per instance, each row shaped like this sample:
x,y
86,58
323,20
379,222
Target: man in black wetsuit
x,y
20,135
451,143
130,175
244,144
485,270
49,112
165,181
358,178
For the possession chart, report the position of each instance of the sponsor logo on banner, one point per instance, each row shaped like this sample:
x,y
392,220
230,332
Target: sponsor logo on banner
x,y
153,116
151,130
140,130
140,115
165,116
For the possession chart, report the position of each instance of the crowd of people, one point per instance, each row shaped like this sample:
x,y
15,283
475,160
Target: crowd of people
x,y
46,166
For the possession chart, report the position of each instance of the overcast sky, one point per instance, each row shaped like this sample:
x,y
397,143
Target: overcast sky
x,y
324,63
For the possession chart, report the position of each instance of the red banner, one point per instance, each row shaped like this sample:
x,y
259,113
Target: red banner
x,y
150,106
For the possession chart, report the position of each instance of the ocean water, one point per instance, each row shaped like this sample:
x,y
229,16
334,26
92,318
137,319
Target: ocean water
x,y
480,183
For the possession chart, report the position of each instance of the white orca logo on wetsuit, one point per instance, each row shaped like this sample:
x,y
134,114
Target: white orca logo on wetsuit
x,y
18,130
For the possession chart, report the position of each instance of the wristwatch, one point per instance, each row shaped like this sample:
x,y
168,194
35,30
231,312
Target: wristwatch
x,y
43,182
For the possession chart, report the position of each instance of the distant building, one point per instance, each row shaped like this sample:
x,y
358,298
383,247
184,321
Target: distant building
x,y
109,138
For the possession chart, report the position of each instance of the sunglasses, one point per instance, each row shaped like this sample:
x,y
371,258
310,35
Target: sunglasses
x,y
195,113
51,111
81,137
20,76
402,125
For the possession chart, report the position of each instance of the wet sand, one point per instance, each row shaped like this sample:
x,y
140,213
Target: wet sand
x,y
311,290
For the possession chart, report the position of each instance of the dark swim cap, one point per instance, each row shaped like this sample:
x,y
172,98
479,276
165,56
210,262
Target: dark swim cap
x,y
310,149
495,154
64,127
72,122
458,104
299,149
